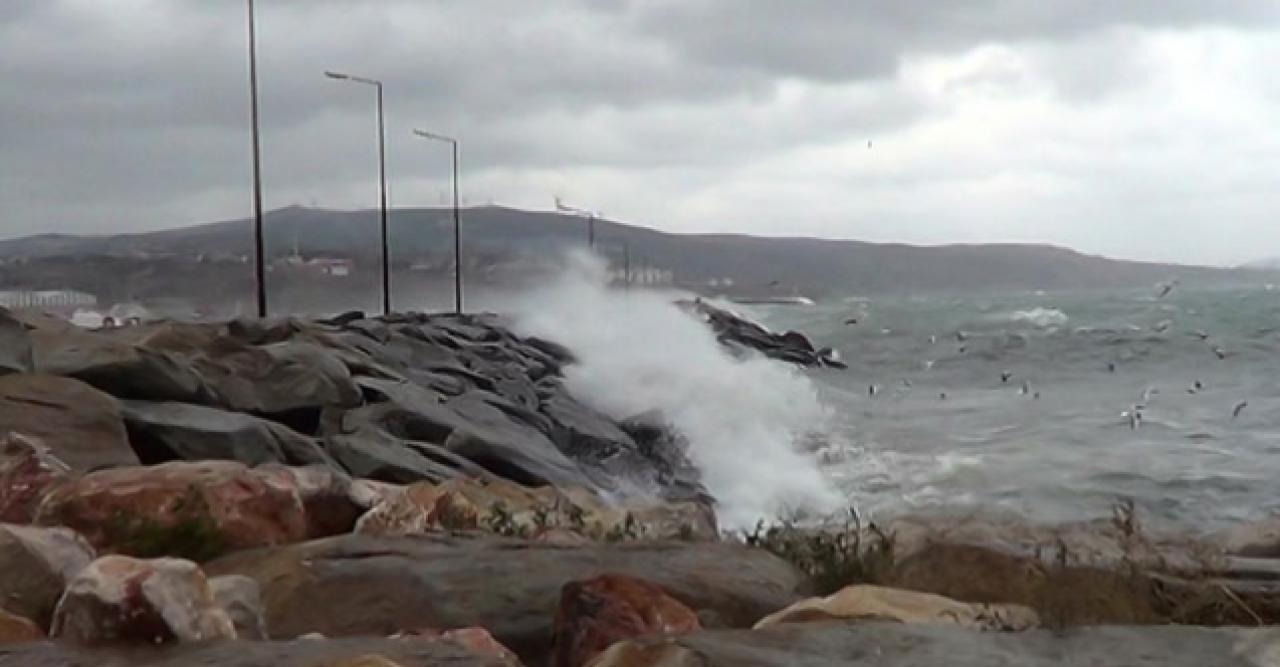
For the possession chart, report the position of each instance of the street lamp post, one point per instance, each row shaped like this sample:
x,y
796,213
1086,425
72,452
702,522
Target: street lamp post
x,y
457,217
259,261
382,184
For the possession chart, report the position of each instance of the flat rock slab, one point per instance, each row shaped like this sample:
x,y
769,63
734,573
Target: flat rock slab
x,y
297,653
898,645
359,585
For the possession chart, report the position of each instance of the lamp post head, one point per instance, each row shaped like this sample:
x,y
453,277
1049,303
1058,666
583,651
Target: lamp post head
x,y
336,75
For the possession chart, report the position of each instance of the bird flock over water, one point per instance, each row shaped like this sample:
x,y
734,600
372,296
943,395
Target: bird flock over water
x,y
1133,415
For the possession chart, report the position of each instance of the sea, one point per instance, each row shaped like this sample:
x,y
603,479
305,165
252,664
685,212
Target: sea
x,y
1020,403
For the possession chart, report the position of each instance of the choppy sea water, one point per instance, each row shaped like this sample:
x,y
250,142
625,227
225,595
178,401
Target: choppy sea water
x,y
1068,454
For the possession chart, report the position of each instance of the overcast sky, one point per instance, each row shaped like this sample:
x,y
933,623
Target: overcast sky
x,y
1134,128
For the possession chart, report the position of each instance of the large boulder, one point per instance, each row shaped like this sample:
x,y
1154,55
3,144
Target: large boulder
x,y
195,510
329,497
28,470
15,345
1259,539
118,365
913,645
117,598
77,423
352,585
163,432
349,652
371,453
863,602
470,427
35,566
281,378
596,613
1079,573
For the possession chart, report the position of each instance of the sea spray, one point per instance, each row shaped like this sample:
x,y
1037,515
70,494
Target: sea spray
x,y
637,351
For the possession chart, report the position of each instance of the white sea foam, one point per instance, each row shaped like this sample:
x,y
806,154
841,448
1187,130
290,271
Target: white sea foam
x,y
1040,317
637,351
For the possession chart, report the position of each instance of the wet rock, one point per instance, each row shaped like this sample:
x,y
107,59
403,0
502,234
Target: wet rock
x,y
323,653
117,598
326,495
476,640
501,507
35,566
240,597
16,629
28,470
372,453
736,332
163,432
195,510
15,345
916,645
280,378
118,366
1260,539
596,613
1077,573
78,424
354,585
865,602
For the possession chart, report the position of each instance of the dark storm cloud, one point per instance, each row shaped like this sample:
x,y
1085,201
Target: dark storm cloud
x,y
133,113
839,39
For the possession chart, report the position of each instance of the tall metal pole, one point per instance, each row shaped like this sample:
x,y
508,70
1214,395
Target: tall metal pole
x,y
591,231
259,261
457,219
382,191
457,238
382,184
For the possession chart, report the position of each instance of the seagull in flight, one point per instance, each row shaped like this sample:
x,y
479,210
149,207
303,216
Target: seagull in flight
x,y
1235,412
1163,289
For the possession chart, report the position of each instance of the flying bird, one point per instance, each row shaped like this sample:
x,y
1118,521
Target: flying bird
x,y
851,320
1134,416
1222,354
1162,326
1235,412
1111,366
1201,334
1004,376
1163,289
961,336
872,390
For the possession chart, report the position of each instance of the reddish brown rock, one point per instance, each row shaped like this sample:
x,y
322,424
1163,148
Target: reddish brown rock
x,y
599,612
122,599
28,470
35,566
16,629
194,510
80,425
326,496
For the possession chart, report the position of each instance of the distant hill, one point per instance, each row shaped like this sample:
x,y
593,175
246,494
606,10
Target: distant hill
x,y
755,265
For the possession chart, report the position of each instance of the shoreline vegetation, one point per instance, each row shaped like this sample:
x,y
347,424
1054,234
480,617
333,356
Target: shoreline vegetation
x,y
425,489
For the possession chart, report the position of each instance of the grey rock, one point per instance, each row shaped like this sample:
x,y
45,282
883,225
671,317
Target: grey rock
x,y
182,432
241,598
16,354
35,566
79,425
358,585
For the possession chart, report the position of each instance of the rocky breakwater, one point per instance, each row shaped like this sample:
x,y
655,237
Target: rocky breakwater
x,y
741,335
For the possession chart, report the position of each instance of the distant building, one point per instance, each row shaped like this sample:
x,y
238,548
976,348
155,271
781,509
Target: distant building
x,y
337,268
47,299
